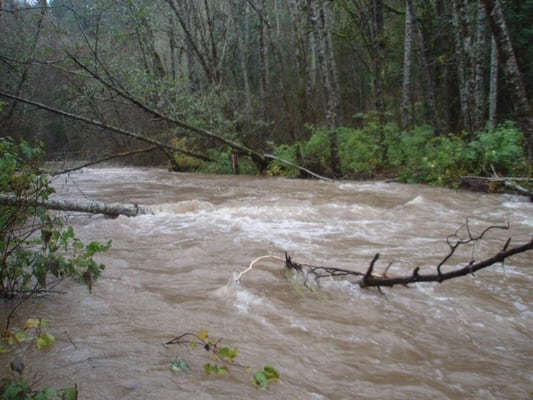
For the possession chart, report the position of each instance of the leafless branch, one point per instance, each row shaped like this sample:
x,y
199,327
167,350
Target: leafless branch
x,y
372,279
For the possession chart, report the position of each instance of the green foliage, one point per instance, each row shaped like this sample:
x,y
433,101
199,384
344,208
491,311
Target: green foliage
x,y
287,153
17,387
223,357
501,150
32,332
35,245
414,156
179,366
263,378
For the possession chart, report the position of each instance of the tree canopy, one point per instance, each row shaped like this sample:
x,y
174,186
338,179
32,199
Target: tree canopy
x,y
213,77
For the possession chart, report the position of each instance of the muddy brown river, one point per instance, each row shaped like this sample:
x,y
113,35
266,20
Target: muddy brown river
x,y
172,273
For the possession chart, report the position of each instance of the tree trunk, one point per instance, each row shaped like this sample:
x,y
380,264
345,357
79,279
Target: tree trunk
x,y
493,86
509,64
29,58
407,70
480,53
378,46
463,50
428,83
86,206
264,77
317,19
243,35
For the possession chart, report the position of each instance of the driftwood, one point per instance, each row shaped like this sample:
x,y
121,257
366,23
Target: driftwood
x,y
497,185
86,206
370,278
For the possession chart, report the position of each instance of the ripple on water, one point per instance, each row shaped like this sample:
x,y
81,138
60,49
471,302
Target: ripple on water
x,y
468,338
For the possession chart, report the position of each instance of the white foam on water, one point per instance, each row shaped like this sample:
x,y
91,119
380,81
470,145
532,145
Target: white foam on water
x,y
183,207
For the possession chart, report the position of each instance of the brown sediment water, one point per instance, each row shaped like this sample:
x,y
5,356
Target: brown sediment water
x,y
172,272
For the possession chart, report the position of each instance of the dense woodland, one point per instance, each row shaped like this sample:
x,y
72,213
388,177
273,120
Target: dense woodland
x,y
424,90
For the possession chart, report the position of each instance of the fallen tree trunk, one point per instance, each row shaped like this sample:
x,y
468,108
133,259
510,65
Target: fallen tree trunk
x,y
259,159
86,206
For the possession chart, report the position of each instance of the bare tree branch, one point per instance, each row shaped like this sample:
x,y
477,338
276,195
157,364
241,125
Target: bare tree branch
x,y
99,124
181,124
106,158
372,279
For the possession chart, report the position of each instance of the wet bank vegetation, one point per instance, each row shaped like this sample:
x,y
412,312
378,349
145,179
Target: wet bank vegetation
x,y
410,90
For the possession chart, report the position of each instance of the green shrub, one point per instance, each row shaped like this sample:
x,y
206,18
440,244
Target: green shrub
x,y
413,156
288,153
36,245
502,151
362,153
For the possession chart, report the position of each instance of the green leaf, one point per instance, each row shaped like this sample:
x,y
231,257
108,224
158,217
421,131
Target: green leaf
x,y
228,353
20,337
45,340
47,394
70,393
260,380
179,366
221,370
207,368
271,373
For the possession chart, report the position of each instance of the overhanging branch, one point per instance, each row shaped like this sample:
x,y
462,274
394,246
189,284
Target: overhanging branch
x,y
102,125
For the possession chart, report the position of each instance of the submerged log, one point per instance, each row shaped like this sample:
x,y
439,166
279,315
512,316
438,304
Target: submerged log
x,y
86,206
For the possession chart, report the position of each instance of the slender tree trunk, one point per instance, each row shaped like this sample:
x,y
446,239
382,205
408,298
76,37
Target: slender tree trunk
x,y
243,39
463,49
331,65
318,26
480,68
173,47
198,24
26,69
282,73
509,64
407,71
378,46
428,83
493,87
264,79
301,52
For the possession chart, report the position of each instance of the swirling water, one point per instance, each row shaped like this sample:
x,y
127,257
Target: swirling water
x,y
172,272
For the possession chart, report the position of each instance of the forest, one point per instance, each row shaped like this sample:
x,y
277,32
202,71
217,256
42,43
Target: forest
x,y
424,91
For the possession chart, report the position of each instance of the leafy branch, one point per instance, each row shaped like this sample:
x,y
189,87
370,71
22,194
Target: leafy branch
x,y
223,357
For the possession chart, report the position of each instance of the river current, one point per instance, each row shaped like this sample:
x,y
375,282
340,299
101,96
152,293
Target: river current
x,y
172,272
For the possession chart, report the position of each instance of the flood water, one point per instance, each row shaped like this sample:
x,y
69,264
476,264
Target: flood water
x,y
172,272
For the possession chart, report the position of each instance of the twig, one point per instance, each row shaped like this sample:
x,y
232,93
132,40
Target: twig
x,y
254,262
70,340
